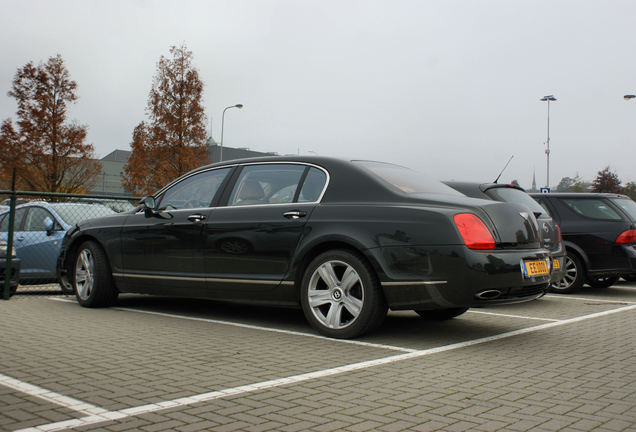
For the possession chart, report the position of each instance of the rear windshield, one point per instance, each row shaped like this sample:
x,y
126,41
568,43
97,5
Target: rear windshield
x,y
405,179
627,205
508,194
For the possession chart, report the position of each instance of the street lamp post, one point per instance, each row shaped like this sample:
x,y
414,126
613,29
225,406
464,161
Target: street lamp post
x,y
239,106
548,98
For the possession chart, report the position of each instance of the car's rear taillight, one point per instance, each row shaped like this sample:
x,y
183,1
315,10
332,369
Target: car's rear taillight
x,y
627,237
559,231
473,231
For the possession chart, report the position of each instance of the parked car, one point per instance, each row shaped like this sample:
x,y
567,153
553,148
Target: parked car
x,y
550,231
343,240
599,234
39,228
14,277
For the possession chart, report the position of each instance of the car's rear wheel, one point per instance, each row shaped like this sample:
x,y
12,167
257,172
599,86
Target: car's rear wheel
x,y
629,277
441,314
602,281
92,278
573,276
341,295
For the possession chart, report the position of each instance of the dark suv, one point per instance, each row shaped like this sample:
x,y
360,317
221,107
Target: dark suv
x,y
546,225
599,234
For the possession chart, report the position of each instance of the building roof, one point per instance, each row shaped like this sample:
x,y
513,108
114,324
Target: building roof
x,y
117,156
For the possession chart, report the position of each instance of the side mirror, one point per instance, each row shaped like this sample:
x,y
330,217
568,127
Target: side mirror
x,y
49,225
148,202
150,208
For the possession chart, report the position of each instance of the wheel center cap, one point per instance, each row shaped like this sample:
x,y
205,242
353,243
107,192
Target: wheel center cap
x,y
337,294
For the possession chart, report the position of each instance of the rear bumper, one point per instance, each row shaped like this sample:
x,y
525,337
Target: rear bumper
x,y
453,276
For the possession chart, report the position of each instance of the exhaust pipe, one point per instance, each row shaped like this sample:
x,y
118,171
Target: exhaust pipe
x,y
488,294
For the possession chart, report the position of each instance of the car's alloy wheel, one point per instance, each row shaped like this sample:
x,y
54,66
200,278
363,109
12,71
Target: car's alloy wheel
x,y
602,281
441,314
84,274
572,276
92,278
341,295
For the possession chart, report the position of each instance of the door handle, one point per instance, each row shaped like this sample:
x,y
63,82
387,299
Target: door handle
x,y
294,214
196,217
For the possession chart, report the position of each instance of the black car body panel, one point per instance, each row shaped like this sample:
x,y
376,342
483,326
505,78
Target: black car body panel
x,y
259,252
512,193
594,238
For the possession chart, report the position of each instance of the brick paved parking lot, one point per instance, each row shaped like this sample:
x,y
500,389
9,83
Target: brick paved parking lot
x,y
154,364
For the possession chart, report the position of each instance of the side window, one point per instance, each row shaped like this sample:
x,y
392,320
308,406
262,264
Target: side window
x,y
266,184
194,192
593,209
19,215
313,185
35,219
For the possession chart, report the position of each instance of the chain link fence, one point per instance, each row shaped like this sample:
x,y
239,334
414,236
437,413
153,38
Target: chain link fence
x,y
32,226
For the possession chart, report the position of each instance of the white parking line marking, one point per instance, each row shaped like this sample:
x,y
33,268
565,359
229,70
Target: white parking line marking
x,y
512,316
47,395
565,296
255,327
128,412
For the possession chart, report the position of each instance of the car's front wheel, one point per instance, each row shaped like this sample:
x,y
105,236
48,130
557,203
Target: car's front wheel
x,y
341,295
441,314
573,276
91,277
602,281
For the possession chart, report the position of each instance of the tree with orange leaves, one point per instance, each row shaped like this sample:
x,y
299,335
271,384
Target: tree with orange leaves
x,y
173,140
49,153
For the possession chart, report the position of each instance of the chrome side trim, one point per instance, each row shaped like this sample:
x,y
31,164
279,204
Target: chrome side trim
x,y
413,283
202,279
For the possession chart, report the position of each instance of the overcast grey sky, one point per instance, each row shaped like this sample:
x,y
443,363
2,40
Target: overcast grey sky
x,y
448,87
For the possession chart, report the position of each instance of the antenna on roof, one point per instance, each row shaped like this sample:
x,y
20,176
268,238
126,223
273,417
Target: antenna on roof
x,y
506,166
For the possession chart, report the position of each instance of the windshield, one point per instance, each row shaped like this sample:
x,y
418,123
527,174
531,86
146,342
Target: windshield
x,y
75,213
627,205
508,194
405,179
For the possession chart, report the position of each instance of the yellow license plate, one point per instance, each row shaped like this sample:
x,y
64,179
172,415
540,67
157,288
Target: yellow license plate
x,y
556,265
535,268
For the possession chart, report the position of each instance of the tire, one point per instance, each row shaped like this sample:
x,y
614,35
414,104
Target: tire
x,y
573,276
341,295
602,281
441,314
629,277
91,277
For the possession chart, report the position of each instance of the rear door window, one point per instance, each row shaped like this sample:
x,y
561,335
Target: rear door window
x,y
592,208
313,185
17,221
266,184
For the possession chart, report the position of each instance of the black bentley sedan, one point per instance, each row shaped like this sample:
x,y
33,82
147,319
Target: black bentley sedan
x,y
549,229
344,240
